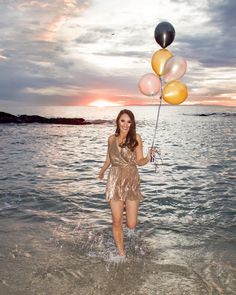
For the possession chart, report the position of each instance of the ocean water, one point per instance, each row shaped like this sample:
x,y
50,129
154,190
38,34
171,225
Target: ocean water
x,y
55,225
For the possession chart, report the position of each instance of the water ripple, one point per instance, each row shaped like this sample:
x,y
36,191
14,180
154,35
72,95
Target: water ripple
x,y
56,224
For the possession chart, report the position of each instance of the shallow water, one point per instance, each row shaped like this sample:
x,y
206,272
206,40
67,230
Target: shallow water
x,y
55,226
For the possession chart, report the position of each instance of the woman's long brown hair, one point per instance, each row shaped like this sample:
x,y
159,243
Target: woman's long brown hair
x,y
130,141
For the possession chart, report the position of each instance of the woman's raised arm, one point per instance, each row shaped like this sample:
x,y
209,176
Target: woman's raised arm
x,y
140,159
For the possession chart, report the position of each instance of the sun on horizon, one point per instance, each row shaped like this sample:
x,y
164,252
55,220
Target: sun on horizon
x,y
103,103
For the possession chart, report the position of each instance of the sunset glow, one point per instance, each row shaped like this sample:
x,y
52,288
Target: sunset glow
x,y
103,103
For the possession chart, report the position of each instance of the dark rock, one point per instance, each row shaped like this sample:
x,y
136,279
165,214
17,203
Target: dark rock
x,y
8,118
32,119
70,121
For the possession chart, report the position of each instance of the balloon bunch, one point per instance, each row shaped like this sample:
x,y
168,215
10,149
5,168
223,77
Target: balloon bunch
x,y
168,70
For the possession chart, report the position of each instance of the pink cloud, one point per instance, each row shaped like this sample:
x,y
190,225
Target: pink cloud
x,y
49,34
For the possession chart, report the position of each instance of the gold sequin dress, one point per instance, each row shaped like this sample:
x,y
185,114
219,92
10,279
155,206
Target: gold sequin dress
x,y
123,179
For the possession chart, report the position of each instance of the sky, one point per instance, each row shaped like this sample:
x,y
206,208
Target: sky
x,y
79,52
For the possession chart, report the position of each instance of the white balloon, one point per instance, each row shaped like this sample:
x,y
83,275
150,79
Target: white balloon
x,y
174,68
149,84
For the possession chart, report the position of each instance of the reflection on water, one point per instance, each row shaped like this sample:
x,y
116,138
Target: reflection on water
x,y
55,226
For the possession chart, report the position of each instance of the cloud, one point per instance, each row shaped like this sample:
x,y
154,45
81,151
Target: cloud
x,y
71,51
223,15
213,44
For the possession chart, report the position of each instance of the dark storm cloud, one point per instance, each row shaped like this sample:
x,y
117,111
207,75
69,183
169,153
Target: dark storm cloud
x,y
215,42
14,79
223,15
29,62
208,50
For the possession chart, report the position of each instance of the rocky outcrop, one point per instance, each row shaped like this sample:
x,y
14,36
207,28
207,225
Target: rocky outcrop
x,y
9,118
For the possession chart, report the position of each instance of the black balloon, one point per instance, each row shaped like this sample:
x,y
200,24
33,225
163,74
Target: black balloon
x,y
164,34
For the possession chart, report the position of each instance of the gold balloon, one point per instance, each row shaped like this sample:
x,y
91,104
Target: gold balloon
x,y
175,92
159,59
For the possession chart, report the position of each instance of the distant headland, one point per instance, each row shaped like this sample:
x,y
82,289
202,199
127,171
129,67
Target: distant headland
x,y
6,118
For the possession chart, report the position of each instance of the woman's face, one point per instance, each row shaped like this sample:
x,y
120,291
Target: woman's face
x,y
124,123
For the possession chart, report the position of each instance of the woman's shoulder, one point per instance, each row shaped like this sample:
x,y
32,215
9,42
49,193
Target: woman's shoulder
x,y
111,138
138,137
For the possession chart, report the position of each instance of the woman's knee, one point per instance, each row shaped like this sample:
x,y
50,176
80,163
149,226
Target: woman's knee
x,y
131,224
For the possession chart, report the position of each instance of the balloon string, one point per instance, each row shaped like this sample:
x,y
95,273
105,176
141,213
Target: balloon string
x,y
158,114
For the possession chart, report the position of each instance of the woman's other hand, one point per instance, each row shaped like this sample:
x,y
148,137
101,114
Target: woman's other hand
x,y
101,175
151,153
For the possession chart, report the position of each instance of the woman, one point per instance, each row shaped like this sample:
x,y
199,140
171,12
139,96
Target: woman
x,y
125,152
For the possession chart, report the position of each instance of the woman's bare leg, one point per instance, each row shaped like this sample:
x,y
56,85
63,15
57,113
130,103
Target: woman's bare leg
x,y
117,224
131,213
